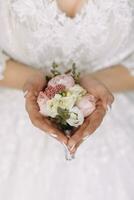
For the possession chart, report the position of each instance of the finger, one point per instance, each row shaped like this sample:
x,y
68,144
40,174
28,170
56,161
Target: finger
x,y
73,151
40,121
60,135
106,96
31,102
77,135
95,120
44,124
90,125
106,99
110,100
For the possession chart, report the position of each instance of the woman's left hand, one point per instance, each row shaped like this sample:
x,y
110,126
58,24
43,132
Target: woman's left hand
x,y
104,101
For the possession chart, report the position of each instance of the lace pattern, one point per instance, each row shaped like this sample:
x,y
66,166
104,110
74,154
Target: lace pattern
x,y
41,33
32,164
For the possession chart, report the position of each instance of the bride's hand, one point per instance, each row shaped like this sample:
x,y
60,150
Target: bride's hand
x,y
31,89
104,101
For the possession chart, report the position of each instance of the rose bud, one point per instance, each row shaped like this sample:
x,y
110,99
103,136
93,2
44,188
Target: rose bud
x,y
51,91
66,80
87,104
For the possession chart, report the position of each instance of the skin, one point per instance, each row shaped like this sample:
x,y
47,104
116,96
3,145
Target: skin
x,y
71,7
101,84
104,99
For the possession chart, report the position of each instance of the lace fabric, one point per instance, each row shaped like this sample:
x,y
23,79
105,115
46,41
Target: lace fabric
x,y
100,35
32,164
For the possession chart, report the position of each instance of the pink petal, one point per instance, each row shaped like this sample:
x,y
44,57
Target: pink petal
x,y
66,80
87,104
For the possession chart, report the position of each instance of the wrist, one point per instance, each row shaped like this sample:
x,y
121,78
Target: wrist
x,y
85,78
94,79
36,81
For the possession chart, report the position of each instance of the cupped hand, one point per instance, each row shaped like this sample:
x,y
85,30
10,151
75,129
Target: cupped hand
x,y
32,88
104,100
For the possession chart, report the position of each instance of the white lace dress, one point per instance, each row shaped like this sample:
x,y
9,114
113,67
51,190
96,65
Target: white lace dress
x,y
32,164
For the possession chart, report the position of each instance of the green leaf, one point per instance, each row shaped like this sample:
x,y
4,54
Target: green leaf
x,y
62,125
64,114
63,93
54,65
54,71
75,74
48,78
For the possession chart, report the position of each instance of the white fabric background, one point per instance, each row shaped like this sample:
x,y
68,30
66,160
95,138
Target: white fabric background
x,y
32,164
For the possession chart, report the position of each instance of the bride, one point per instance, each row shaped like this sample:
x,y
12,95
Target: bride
x,y
99,37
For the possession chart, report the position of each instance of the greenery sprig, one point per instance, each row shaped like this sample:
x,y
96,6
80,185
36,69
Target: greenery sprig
x,y
61,118
55,72
75,74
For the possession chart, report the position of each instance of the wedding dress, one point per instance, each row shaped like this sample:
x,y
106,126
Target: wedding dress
x,y
32,164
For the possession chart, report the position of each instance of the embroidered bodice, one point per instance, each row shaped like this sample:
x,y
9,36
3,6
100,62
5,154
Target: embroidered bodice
x,y
38,33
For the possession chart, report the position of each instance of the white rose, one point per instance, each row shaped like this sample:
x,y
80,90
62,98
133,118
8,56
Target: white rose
x,y
66,102
52,107
77,91
59,101
76,117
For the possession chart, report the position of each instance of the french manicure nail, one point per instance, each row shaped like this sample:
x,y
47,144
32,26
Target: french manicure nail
x,y
86,137
25,93
72,147
54,135
109,108
68,156
65,145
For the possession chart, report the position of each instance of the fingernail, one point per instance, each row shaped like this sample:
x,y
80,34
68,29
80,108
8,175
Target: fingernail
x,y
25,93
109,107
86,137
65,145
72,147
68,155
54,135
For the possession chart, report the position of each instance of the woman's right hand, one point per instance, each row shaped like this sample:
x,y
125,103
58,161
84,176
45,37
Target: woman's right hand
x,y
32,87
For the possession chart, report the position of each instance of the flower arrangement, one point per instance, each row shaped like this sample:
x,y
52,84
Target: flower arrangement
x,y
64,101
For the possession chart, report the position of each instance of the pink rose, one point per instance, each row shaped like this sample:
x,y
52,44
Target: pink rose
x,y
50,91
42,100
87,104
66,80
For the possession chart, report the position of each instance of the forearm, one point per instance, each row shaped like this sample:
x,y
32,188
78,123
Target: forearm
x,y
16,75
117,78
